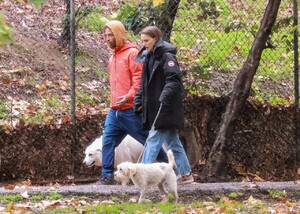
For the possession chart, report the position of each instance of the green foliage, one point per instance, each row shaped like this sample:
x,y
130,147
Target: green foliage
x,y
52,101
4,110
269,96
236,195
277,193
37,3
137,16
8,198
85,60
32,80
35,118
5,31
101,73
37,197
54,196
91,18
127,13
128,208
85,98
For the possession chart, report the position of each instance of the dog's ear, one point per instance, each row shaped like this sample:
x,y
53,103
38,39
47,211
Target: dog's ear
x,y
132,169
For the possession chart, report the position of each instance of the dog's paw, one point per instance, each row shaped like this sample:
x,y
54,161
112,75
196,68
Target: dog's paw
x,y
145,201
125,183
165,198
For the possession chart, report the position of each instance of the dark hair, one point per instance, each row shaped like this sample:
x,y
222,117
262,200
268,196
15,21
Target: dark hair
x,y
152,31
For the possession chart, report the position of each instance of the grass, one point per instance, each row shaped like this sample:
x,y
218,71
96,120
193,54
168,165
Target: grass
x,y
83,97
57,203
8,198
94,19
235,195
277,193
4,110
5,31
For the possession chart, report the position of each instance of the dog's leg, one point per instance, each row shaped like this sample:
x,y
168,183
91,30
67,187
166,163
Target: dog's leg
x,y
142,196
174,192
163,189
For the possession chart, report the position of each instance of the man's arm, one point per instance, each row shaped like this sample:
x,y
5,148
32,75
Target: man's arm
x,y
136,73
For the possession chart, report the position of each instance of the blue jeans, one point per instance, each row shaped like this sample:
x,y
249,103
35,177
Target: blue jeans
x,y
117,125
171,140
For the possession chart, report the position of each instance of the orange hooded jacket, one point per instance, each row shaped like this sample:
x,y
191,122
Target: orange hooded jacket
x,y
125,74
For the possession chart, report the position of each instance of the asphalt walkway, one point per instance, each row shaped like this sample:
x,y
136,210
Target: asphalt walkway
x,y
290,187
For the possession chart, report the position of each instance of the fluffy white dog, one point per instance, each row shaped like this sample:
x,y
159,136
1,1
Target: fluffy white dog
x,y
128,150
145,175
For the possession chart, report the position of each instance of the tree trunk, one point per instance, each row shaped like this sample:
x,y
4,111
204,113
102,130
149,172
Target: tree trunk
x,y
216,163
165,22
64,39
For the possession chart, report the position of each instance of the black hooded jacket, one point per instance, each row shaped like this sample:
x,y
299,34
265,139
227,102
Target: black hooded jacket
x,y
160,84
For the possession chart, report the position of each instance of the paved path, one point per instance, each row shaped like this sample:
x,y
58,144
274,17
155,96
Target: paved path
x,y
199,188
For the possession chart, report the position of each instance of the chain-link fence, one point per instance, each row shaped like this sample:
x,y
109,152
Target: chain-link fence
x,y
213,40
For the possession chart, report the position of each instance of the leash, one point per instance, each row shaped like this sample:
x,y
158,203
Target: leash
x,y
152,129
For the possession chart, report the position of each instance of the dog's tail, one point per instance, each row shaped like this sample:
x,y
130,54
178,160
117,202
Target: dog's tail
x,y
171,158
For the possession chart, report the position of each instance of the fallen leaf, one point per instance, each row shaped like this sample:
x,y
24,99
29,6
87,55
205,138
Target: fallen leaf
x,y
10,186
65,119
41,88
51,204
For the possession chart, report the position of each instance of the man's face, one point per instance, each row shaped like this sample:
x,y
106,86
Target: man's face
x,y
109,38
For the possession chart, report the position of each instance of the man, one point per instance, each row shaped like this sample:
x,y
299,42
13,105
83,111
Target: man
x,y
125,75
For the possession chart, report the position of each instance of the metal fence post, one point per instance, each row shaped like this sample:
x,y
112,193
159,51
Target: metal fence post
x,y
72,77
296,80
72,59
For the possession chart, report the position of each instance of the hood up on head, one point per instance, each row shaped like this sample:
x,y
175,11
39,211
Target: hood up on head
x,y
119,32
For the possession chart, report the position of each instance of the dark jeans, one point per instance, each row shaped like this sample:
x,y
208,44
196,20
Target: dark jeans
x,y
117,125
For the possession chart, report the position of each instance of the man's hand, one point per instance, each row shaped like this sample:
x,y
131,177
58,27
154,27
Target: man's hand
x,y
122,100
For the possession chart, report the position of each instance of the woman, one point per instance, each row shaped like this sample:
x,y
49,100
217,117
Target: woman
x,y
160,94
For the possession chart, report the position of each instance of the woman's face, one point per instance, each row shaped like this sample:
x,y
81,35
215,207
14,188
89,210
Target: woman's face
x,y
148,42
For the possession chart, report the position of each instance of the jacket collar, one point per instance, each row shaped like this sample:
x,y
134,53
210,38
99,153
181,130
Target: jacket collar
x,y
160,48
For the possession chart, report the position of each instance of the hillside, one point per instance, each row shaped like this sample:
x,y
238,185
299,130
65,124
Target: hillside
x,y
34,70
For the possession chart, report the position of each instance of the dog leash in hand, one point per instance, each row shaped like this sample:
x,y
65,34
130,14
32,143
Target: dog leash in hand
x,y
152,128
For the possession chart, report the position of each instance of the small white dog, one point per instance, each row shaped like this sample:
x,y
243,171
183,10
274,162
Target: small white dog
x,y
145,175
128,150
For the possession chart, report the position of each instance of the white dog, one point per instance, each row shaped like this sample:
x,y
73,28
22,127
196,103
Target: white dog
x,y
145,175
128,150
